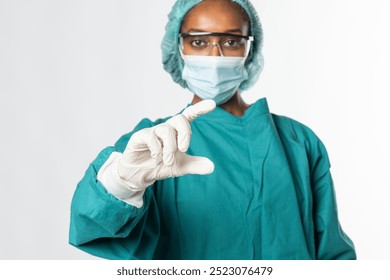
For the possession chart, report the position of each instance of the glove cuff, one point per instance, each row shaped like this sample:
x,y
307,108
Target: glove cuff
x,y
108,176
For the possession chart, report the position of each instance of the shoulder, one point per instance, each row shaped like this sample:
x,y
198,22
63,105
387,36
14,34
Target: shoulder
x,y
291,130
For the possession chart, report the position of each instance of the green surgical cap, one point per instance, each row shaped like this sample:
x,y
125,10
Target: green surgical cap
x,y
172,61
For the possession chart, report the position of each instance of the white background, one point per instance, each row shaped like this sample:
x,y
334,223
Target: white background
x,y
76,75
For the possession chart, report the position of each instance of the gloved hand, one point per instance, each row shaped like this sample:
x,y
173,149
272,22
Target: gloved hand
x,y
159,152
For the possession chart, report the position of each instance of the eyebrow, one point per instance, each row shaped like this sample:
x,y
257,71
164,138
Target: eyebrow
x,y
235,30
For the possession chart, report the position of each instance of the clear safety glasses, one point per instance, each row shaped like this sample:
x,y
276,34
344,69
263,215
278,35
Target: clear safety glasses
x,y
202,43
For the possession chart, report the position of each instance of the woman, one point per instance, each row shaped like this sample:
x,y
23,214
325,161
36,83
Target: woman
x,y
231,181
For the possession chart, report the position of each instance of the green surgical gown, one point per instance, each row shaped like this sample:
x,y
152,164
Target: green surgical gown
x,y
271,196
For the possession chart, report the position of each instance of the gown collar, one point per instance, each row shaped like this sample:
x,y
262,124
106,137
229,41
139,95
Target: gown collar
x,y
221,115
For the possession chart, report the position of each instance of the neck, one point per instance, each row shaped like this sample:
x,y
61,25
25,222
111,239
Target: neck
x,y
235,106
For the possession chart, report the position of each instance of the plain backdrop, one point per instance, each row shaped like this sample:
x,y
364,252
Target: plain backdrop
x,y
76,75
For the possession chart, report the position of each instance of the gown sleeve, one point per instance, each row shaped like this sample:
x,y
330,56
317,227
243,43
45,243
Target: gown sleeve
x,y
331,241
107,227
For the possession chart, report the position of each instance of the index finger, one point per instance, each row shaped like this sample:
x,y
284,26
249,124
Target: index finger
x,y
198,109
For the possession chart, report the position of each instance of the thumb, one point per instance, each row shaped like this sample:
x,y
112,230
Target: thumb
x,y
187,164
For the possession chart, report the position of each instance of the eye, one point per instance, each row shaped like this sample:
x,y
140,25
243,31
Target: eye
x,y
198,43
232,43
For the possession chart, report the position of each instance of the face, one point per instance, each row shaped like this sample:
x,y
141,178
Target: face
x,y
219,16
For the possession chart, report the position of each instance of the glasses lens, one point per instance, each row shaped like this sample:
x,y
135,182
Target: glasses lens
x,y
233,46
227,44
196,45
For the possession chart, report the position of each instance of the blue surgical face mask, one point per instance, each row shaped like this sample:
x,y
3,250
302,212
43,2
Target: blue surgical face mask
x,y
214,77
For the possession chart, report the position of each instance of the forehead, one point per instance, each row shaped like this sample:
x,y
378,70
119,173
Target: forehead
x,y
216,16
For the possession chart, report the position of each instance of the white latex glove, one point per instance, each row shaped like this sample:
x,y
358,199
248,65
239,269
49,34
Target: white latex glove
x,y
155,153
159,152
